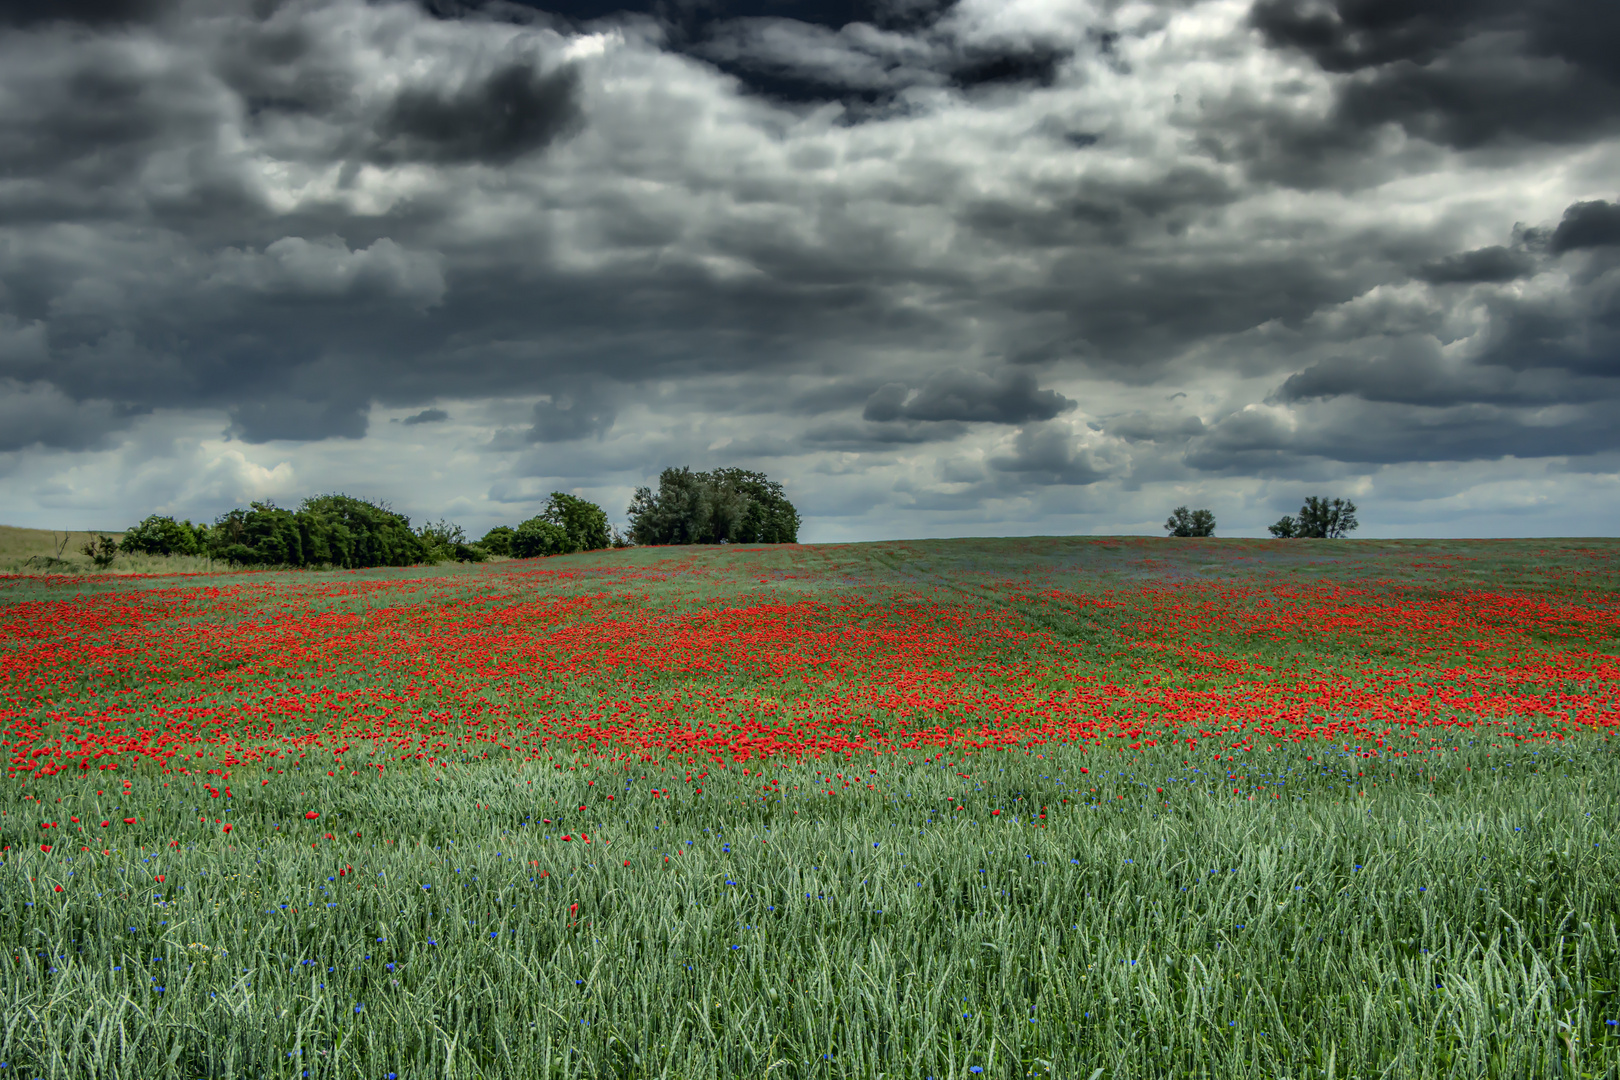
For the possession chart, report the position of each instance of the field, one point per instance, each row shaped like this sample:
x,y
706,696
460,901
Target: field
x,y
35,550
982,808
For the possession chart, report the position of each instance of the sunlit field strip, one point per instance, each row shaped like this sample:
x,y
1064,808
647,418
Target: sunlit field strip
x,y
1016,744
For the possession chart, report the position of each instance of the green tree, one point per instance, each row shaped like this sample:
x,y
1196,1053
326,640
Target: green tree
x,y
357,533
537,537
723,506
584,523
326,530
443,540
498,541
1319,519
766,518
1184,522
161,535
1322,519
102,551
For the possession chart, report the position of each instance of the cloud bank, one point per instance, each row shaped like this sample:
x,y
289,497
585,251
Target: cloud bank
x,y
941,267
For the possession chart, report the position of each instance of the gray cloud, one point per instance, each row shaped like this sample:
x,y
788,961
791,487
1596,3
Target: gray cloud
x,y
1492,264
1149,427
1009,397
513,111
1050,454
1423,378
93,12
1587,225
1461,74
581,411
930,253
38,414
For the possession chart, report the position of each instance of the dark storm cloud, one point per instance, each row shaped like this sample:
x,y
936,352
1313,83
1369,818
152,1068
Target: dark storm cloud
x,y
807,64
1463,73
282,416
1587,225
859,438
1047,454
1494,264
1421,378
38,414
862,52
875,244
90,12
1147,427
513,111
1366,434
583,410
1010,397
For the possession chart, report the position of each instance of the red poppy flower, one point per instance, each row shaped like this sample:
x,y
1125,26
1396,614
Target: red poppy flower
x,y
227,828
46,848
129,821
311,816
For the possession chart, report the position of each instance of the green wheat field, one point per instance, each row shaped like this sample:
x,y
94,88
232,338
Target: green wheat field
x,y
1094,808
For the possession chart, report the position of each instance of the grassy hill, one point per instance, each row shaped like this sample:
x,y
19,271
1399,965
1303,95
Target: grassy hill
x,y
27,548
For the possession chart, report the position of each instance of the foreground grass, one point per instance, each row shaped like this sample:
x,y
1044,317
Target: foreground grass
x,y
1454,915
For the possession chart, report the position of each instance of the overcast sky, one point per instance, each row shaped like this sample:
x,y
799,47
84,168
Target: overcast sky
x,y
972,268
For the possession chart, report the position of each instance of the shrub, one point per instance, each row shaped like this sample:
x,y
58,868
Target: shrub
x,y
334,530
1319,519
537,536
498,541
584,523
726,505
1184,522
102,550
162,535
353,533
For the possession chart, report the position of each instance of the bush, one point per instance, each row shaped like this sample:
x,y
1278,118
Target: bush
x,y
354,533
537,537
567,524
1319,519
584,523
327,530
102,551
498,541
441,540
727,505
162,535
1184,522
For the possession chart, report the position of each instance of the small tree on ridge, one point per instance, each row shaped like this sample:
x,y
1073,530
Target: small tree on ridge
x,y
1184,522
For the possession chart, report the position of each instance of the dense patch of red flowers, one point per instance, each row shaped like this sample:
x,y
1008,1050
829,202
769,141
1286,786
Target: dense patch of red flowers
x,y
527,662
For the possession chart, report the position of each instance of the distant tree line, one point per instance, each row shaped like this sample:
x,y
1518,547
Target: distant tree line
x,y
1319,518
723,506
567,524
1184,522
350,533
726,505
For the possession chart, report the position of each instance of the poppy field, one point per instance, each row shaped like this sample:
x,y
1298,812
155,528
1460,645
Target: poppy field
x,y
1091,807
